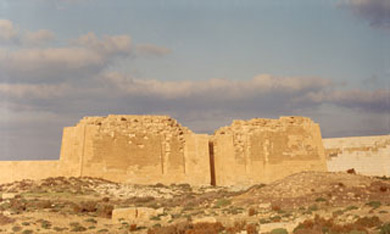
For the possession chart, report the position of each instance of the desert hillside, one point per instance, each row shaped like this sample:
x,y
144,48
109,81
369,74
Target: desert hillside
x,y
307,202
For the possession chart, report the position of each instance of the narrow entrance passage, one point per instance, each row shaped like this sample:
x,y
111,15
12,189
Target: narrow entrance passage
x,y
212,164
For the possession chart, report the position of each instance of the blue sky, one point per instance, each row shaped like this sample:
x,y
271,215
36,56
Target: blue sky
x,y
203,62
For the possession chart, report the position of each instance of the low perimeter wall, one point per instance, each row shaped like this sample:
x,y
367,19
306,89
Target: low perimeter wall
x,y
367,155
18,170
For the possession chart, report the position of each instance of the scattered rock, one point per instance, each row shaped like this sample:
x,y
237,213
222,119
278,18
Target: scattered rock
x,y
8,195
205,220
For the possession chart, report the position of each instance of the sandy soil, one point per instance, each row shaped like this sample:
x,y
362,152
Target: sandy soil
x,y
308,202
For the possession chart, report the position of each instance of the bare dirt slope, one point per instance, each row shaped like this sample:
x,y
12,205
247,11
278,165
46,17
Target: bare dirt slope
x,y
308,202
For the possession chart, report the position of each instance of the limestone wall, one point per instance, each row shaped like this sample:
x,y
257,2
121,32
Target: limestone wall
x,y
157,149
264,150
68,165
367,155
137,149
18,170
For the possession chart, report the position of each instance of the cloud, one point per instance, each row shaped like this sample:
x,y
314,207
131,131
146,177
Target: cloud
x,y
39,37
48,64
272,94
83,58
33,91
376,100
376,12
108,45
11,35
151,50
8,31
220,88
366,100
201,105
113,91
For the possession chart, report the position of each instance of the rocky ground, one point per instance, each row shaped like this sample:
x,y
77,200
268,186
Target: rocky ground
x,y
308,202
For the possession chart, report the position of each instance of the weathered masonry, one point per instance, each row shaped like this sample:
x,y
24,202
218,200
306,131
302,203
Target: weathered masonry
x,y
157,149
137,149
369,155
264,150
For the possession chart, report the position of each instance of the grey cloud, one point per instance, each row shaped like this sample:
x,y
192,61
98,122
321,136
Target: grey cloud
x,y
201,105
34,91
85,57
39,37
108,45
48,64
225,89
8,32
151,50
90,56
115,91
367,100
376,100
376,12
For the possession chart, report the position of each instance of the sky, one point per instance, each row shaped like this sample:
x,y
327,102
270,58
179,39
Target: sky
x,y
202,62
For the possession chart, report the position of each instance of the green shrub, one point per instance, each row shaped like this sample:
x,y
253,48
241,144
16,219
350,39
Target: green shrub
x,y
279,231
384,229
58,229
263,221
321,199
16,228
338,213
313,207
374,204
28,231
156,218
45,224
357,232
90,220
77,227
351,208
222,202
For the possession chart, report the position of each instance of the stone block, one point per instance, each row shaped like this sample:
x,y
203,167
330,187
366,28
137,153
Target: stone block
x,y
8,195
205,220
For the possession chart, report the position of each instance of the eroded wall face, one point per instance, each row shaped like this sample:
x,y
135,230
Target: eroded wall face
x,y
261,150
367,155
142,149
156,149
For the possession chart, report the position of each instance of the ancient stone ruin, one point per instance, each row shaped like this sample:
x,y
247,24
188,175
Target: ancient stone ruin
x,y
264,150
369,155
157,149
137,149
